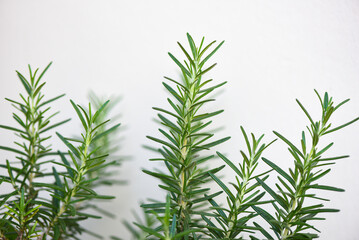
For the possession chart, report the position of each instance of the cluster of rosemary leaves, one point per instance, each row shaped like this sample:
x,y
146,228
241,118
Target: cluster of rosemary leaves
x,y
52,191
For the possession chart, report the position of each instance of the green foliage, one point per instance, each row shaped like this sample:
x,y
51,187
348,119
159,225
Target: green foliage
x,y
53,191
168,225
184,140
39,209
105,143
233,220
293,216
75,188
32,149
182,143
148,222
20,215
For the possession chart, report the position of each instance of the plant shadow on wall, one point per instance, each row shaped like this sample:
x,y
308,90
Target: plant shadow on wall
x,y
53,191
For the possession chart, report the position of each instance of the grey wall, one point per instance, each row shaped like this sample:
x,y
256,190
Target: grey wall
x,y
275,51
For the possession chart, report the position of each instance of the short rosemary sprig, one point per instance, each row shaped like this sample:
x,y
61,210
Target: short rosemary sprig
x,y
75,188
233,220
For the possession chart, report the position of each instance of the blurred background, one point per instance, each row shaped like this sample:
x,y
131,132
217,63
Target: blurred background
x,y
274,52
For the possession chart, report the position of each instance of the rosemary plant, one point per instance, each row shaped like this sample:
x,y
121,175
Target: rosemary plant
x,y
52,191
36,208
185,139
293,215
25,174
233,220
75,185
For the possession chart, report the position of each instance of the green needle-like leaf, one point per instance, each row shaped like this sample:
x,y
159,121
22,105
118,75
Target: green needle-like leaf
x,y
280,171
276,197
69,145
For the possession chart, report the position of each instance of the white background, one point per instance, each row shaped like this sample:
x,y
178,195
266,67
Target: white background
x,y
275,52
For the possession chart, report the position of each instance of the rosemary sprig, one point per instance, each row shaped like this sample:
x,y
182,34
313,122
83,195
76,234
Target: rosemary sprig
x,y
293,214
185,138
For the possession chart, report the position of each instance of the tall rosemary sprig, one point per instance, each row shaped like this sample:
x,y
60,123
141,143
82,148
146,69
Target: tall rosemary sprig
x,y
185,138
293,214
